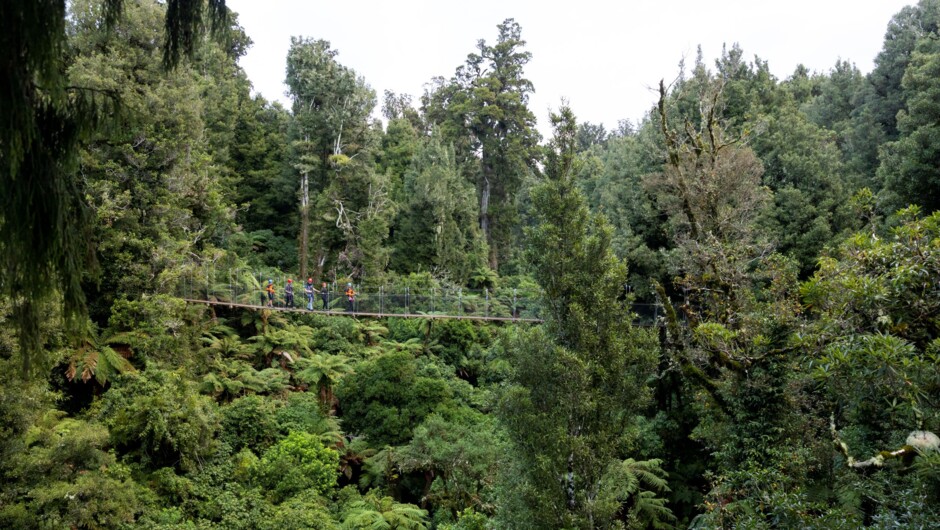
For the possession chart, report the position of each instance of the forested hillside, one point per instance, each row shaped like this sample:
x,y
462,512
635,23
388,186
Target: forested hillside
x,y
786,230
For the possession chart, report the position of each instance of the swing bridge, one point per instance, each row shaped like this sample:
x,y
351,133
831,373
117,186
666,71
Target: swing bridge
x,y
243,289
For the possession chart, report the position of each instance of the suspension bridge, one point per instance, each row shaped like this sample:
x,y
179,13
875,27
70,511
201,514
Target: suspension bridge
x,y
510,304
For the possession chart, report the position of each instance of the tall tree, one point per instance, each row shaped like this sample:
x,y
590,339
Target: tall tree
x,y
44,227
437,228
331,108
910,166
880,100
484,110
152,185
578,382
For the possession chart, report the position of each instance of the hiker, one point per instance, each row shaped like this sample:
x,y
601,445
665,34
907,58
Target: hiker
x,y
308,291
350,297
325,296
289,293
270,290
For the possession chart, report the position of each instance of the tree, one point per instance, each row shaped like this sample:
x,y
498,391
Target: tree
x,y
374,513
577,383
297,463
726,369
909,166
44,227
483,110
322,371
612,176
157,197
458,453
160,418
388,396
883,96
905,29
437,228
802,165
331,107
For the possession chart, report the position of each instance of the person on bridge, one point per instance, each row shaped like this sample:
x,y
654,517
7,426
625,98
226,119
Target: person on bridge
x,y
289,293
325,296
308,291
270,290
350,297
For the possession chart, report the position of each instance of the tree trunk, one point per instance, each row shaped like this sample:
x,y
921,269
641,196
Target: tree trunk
x,y
304,222
485,217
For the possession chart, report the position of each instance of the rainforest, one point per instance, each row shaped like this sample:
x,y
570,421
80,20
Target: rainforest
x,y
415,312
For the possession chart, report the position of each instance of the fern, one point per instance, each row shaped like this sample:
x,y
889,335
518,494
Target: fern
x,y
373,513
635,485
370,331
94,359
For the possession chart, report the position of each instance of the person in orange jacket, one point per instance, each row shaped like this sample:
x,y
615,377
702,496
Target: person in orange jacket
x,y
270,290
350,297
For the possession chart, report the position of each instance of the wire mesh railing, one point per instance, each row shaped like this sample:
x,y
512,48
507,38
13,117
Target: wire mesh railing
x,y
248,288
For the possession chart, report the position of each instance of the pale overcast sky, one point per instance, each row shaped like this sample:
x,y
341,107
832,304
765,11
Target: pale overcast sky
x,y
602,56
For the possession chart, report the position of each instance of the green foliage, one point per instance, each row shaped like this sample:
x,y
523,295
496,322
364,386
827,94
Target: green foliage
x,y
909,165
346,218
105,498
159,419
461,450
638,484
802,165
484,111
156,194
322,372
303,413
297,463
767,499
250,422
93,359
437,227
215,417
65,476
374,513
577,382
305,511
391,394
880,376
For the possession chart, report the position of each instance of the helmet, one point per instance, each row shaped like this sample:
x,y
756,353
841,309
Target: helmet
x,y
349,285
290,280
270,281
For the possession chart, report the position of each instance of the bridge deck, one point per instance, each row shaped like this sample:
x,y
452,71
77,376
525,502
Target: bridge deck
x,y
340,313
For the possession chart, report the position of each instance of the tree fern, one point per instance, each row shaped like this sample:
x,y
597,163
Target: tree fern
x,y
370,331
323,371
373,513
635,486
92,359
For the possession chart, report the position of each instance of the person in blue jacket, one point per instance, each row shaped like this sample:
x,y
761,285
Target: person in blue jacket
x,y
308,292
